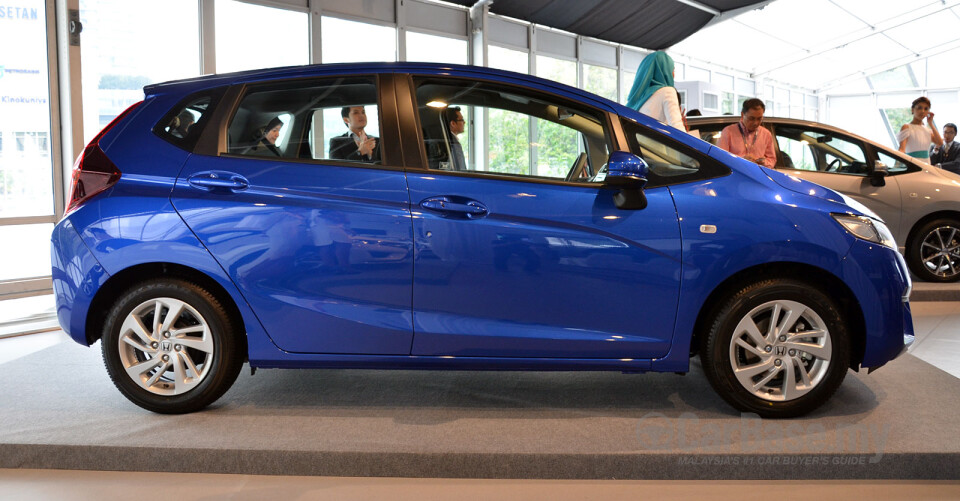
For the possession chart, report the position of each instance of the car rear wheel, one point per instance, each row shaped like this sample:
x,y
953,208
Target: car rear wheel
x,y
934,251
778,348
171,347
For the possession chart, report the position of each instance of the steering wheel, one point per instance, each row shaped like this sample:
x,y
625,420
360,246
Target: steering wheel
x,y
834,165
578,169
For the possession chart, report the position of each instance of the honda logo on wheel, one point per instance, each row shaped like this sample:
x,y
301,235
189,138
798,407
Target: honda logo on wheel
x,y
781,350
165,345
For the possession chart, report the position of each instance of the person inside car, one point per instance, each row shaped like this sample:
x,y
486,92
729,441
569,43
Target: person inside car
x,y
355,145
266,138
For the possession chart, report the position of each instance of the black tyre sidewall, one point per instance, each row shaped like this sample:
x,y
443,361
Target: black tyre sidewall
x,y
914,255
715,351
226,363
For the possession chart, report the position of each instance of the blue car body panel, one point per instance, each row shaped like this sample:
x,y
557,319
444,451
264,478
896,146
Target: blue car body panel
x,y
549,271
348,269
323,254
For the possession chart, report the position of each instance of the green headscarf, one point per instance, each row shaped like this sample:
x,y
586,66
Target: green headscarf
x,y
655,71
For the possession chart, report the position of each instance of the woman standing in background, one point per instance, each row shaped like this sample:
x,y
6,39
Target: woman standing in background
x,y
914,137
653,92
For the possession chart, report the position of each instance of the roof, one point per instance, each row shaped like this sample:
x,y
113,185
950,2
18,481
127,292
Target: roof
x,y
823,44
650,24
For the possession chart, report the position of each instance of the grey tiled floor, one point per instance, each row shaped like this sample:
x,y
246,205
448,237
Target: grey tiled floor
x,y
937,328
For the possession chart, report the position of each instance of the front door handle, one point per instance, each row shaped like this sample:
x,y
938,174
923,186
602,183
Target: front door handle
x,y
455,206
218,180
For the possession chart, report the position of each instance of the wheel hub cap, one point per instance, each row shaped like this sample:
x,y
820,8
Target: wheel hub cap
x,y
780,350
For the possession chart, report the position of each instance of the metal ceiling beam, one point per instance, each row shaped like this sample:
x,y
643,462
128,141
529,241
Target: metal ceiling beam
x,y
730,14
698,5
889,24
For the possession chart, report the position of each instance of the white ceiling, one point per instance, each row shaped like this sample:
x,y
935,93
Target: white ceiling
x,y
823,44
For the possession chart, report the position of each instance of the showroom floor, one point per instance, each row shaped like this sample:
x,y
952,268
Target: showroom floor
x,y
937,325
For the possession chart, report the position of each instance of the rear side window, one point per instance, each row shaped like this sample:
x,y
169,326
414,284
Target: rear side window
x,y
182,124
334,119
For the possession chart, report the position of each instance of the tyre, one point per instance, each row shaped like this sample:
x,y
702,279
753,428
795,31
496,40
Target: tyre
x,y
171,347
777,348
933,253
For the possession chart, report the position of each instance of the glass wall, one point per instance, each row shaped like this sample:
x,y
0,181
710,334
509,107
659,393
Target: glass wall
x,y
27,187
436,49
253,36
601,81
352,41
26,170
877,106
127,45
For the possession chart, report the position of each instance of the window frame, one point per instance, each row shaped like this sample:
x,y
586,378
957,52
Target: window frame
x,y
415,140
390,157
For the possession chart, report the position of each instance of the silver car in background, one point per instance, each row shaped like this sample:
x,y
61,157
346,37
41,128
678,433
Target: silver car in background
x,y
920,203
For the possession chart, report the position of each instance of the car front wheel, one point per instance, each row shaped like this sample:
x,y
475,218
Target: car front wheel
x,y
934,251
777,348
171,347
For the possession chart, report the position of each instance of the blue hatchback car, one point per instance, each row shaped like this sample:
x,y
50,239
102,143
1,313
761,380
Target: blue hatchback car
x,y
423,216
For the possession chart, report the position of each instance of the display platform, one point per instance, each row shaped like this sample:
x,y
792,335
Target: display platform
x,y
60,410
928,291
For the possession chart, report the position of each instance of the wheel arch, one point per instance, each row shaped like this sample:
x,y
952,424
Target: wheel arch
x,y
122,281
827,282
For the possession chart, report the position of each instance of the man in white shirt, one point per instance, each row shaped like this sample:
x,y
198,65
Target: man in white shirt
x,y
946,157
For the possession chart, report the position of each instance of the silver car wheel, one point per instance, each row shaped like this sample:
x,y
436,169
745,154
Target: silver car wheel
x,y
166,346
780,350
940,252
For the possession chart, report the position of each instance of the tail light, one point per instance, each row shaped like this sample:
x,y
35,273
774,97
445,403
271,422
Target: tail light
x,y
94,172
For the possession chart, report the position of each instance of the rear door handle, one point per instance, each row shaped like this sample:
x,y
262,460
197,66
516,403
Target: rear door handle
x,y
454,206
218,180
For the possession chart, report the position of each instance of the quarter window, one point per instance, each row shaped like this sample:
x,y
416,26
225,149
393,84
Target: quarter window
x,y
670,162
333,120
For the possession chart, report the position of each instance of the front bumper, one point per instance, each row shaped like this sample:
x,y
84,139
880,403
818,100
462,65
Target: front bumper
x,y
880,281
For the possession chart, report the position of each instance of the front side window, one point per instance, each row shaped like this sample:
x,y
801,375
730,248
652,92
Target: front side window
x,y
527,133
823,151
333,119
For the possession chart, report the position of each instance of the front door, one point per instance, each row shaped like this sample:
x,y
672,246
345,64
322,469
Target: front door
x,y
522,253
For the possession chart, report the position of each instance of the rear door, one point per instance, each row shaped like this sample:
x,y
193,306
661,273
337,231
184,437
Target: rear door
x,y
320,248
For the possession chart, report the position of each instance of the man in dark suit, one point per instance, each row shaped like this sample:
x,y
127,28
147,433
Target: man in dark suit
x,y
355,145
946,156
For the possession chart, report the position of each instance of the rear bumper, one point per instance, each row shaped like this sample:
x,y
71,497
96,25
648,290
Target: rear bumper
x,y
77,275
879,278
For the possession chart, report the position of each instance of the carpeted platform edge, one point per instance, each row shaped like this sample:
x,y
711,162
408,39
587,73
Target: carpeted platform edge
x,y
643,466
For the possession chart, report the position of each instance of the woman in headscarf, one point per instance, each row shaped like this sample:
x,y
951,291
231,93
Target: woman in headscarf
x,y
653,93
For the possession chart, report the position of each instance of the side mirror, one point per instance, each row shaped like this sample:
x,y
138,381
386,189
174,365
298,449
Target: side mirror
x,y
629,173
879,172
